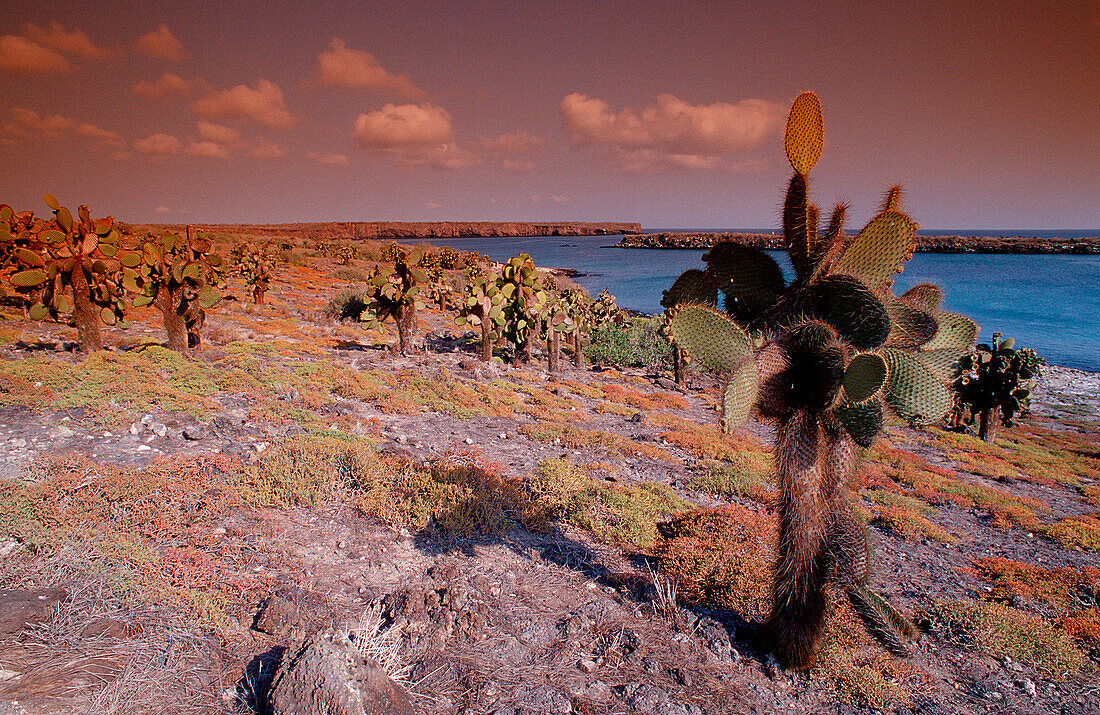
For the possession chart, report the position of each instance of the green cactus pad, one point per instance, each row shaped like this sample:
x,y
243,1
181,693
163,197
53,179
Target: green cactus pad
x,y
52,202
28,279
879,250
805,133
740,396
942,361
926,296
796,226
107,315
852,308
913,390
713,340
693,286
38,311
750,279
865,376
64,219
863,420
955,331
29,257
911,327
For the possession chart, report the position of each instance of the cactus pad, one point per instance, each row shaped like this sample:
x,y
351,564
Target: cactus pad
x,y
954,331
740,396
750,279
713,340
911,327
879,250
693,286
914,391
805,134
863,420
942,361
926,296
865,376
852,308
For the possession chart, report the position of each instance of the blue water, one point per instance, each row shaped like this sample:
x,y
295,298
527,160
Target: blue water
x,y
1049,303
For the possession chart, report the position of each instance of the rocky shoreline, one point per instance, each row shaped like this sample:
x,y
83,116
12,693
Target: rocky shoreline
x,y
924,244
430,229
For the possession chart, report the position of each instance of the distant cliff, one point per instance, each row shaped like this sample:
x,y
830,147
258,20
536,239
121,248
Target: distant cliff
x,y
924,244
439,229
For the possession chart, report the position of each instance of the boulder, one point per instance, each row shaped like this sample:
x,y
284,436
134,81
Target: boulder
x,y
330,675
20,608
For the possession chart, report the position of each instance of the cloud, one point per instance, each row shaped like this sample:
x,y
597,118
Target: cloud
x,y
74,42
218,133
166,86
22,56
433,205
328,159
263,105
161,44
414,135
559,199
159,145
341,66
162,210
27,122
264,149
671,134
208,149
513,144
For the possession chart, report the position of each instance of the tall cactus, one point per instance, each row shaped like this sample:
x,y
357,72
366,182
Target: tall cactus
x,y
396,296
255,266
996,379
559,320
524,298
69,265
179,276
822,357
482,307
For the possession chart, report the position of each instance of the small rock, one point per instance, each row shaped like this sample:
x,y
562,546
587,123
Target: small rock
x,y
135,429
61,432
1029,687
260,447
18,443
194,432
341,544
107,434
598,691
503,435
147,420
20,608
218,531
401,439
158,429
468,441
586,666
143,448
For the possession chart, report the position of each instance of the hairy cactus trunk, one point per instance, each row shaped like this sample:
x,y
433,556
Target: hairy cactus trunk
x,y
84,313
486,341
678,367
578,353
553,350
258,294
406,325
523,351
808,487
170,305
987,424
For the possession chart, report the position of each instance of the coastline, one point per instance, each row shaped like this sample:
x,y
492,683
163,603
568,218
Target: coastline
x,y
428,229
923,244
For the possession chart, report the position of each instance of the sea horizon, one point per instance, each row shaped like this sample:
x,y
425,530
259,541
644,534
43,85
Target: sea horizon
x,y
969,232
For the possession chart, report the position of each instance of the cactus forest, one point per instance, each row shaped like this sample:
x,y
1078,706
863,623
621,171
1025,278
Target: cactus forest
x,y
465,485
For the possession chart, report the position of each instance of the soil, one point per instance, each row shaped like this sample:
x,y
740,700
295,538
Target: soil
x,y
531,623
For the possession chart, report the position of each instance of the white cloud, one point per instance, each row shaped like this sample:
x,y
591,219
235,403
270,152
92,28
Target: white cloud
x,y
433,205
210,150
27,122
162,210
167,85
161,44
671,133
414,135
516,143
341,66
73,42
332,159
264,149
22,56
159,145
263,105
559,199
218,133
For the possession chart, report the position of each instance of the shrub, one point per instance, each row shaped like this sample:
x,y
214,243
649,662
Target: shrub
x,y
348,304
633,344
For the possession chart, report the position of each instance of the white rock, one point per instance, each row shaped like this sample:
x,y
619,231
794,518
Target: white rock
x,y
134,428
18,443
158,429
144,448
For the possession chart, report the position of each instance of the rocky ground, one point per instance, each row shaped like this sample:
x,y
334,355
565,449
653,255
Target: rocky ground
x,y
501,540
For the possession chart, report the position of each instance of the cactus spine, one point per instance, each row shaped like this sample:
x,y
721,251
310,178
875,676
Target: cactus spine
x,y
822,357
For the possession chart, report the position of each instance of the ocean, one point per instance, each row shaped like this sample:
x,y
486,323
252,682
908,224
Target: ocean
x,y
1047,302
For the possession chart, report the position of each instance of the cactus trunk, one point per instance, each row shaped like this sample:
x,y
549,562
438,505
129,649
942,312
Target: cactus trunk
x,y
85,315
405,319
168,302
987,424
807,487
258,294
486,341
679,371
553,349
578,354
523,351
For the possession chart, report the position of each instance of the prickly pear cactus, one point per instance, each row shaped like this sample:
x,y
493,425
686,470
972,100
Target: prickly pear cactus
x,y
256,266
524,298
179,276
395,294
483,307
67,265
994,379
823,356
559,320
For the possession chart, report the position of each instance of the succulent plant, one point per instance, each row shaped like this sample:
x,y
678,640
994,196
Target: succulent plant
x,y
579,309
345,254
524,298
483,307
179,276
255,266
448,258
559,319
395,294
822,356
67,265
991,380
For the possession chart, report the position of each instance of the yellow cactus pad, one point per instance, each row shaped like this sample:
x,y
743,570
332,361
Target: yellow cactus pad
x,y
805,133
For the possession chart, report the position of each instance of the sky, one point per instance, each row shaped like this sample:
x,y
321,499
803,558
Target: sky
x,y
666,113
